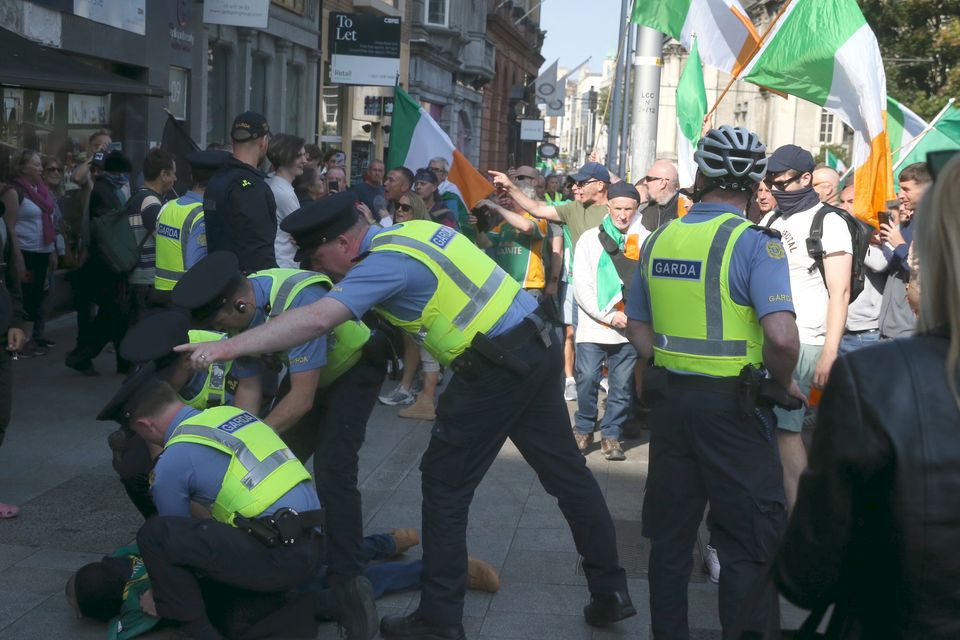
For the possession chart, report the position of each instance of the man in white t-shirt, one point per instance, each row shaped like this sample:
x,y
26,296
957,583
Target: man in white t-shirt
x,y
820,301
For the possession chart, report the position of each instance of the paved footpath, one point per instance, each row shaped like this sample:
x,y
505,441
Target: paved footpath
x,y
55,464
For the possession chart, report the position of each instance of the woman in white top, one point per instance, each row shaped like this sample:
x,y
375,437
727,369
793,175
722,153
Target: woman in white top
x,y
36,234
288,158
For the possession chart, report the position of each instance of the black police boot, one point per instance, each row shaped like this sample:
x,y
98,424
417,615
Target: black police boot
x,y
414,627
355,609
607,608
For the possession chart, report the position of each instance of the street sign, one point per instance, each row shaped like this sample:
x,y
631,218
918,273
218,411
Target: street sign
x,y
364,49
531,130
549,150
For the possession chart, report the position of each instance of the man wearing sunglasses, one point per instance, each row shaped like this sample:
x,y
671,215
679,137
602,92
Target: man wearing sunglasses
x,y
663,188
820,301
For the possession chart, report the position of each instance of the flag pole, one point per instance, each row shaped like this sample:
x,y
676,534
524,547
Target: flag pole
x,y
910,146
756,49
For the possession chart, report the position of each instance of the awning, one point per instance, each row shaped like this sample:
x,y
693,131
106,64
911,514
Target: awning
x,y
26,64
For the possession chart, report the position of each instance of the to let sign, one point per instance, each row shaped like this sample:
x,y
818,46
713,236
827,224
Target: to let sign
x,y
364,49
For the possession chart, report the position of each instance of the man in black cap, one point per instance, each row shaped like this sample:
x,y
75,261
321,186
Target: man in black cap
x,y
331,386
240,211
426,185
181,225
437,286
266,514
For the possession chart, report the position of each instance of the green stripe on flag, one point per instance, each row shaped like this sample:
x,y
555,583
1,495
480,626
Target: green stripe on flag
x,y
666,16
944,136
406,115
799,58
691,97
894,124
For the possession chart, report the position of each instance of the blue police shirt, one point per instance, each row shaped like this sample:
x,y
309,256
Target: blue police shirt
x,y
187,471
403,285
759,273
304,357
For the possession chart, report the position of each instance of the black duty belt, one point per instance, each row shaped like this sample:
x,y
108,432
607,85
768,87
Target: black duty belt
x,y
285,527
703,383
498,350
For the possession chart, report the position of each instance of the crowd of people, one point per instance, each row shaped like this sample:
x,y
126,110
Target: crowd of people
x,y
713,315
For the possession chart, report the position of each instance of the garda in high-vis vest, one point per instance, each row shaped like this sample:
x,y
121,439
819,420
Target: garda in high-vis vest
x,y
215,384
472,292
698,328
261,470
174,225
344,343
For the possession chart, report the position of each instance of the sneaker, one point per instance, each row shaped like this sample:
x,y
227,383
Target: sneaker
x,y
45,342
570,390
481,576
397,396
611,450
404,539
422,409
605,384
583,441
712,564
32,350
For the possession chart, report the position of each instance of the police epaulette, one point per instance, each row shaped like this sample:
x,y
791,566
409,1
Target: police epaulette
x,y
773,233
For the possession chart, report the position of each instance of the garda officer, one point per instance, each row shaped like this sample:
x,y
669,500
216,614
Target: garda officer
x,y
433,283
240,211
181,227
152,340
266,514
330,390
711,304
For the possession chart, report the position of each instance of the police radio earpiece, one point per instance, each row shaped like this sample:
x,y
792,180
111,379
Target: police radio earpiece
x,y
240,306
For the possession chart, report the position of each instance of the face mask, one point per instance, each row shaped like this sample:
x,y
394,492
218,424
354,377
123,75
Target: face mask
x,y
793,201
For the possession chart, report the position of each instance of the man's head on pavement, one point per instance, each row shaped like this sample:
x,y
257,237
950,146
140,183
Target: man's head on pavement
x,y
439,167
590,184
251,137
216,294
95,591
375,171
826,182
914,180
399,181
731,163
328,233
662,181
623,200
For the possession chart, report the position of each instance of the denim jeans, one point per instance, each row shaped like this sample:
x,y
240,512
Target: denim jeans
x,y
853,341
621,359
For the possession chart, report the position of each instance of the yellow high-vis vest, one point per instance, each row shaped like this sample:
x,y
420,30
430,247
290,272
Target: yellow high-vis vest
x,y
213,393
174,225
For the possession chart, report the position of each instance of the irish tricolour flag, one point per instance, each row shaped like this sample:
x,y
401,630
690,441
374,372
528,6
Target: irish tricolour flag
x,y
824,51
416,138
903,125
725,34
691,109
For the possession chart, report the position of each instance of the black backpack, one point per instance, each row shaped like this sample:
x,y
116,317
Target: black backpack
x,y
860,234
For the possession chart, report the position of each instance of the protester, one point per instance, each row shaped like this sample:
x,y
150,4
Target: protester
x,y
370,188
762,204
826,182
53,177
314,156
425,183
309,186
872,490
452,198
399,181
285,152
663,188
85,171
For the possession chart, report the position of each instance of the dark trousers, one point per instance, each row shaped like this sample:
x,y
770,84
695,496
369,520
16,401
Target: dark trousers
x,y
95,284
6,387
35,288
703,449
474,419
333,432
178,550
133,464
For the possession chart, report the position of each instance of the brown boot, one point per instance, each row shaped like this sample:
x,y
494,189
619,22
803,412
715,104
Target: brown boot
x,y
404,539
610,448
481,576
422,409
583,441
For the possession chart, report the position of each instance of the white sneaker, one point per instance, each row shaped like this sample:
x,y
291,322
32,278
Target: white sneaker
x,y
570,390
712,564
605,384
397,396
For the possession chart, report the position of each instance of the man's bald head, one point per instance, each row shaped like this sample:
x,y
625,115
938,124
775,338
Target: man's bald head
x,y
662,181
846,199
826,182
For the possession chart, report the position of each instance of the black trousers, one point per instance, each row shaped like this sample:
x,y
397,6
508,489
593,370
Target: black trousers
x,y
703,449
474,419
177,551
95,284
35,290
133,464
333,432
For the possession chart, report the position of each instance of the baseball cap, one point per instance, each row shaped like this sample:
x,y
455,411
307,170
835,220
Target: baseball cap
x,y
593,170
249,125
790,156
425,175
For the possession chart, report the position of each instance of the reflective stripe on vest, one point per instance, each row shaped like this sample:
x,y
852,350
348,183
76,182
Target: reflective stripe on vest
x,y
213,393
725,336
261,470
472,292
171,257
344,343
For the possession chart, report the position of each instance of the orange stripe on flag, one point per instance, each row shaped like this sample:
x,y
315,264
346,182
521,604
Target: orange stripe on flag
x,y
750,45
873,180
632,248
472,185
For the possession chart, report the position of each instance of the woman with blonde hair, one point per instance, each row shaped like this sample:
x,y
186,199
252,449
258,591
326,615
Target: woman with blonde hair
x,y
877,517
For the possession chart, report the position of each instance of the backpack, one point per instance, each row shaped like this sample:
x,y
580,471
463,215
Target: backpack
x,y
114,241
860,234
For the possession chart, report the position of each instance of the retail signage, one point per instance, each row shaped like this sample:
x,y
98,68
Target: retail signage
x,y
129,15
531,130
364,49
179,81
549,150
237,13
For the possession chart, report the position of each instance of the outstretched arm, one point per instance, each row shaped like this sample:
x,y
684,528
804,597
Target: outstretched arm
x,y
533,207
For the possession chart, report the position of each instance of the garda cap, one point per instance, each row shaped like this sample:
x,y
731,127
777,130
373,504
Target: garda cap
x,y
320,221
207,286
133,390
154,337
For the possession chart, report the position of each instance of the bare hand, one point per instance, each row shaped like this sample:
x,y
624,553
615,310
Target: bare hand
x,y
890,233
16,338
147,605
822,371
471,220
794,391
203,354
367,214
501,181
550,289
707,125
619,320
594,156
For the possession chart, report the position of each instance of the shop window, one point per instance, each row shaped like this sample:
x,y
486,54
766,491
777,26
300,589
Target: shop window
x,y
258,84
294,93
436,12
330,110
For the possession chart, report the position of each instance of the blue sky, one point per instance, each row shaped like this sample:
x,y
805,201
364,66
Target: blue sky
x,y
577,29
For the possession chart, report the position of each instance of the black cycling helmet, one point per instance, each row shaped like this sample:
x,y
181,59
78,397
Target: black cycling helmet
x,y
733,158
